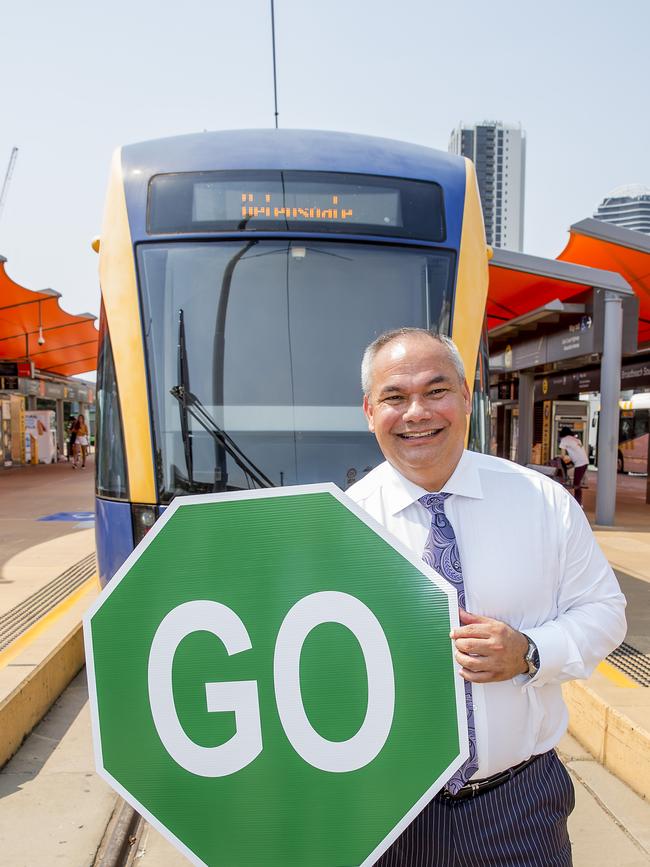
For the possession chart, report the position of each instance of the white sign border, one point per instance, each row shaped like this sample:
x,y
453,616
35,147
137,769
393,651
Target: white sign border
x,y
266,493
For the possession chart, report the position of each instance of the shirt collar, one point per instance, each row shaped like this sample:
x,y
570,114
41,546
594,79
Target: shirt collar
x,y
465,481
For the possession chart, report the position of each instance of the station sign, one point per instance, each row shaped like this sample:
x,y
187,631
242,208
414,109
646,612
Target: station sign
x,y
635,375
56,390
272,680
25,369
580,338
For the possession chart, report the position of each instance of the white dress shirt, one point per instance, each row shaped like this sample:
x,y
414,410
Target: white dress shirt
x,y
573,447
529,559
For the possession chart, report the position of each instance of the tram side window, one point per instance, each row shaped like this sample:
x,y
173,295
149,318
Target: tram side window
x,y
111,462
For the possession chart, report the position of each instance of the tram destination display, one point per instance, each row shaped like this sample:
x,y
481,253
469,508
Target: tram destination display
x,y
297,201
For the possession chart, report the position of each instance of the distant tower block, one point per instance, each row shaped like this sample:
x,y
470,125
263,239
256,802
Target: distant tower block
x,y
628,207
499,152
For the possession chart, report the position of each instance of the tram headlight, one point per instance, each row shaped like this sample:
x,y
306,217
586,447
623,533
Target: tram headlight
x,y
143,518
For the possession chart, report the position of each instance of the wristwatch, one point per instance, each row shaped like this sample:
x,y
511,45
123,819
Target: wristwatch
x,y
532,657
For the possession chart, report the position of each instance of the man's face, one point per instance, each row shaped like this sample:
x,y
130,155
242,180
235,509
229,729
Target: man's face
x,y
417,409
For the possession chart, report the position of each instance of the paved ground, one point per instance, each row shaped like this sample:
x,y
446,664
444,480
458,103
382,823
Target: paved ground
x,y
630,495
33,552
627,547
53,806
610,826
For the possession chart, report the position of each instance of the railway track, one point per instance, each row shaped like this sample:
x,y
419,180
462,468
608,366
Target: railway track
x,y
119,844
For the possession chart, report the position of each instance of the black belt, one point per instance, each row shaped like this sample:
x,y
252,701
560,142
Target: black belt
x,y
478,787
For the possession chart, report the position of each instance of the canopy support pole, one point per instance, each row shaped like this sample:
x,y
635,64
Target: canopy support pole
x,y
610,390
526,409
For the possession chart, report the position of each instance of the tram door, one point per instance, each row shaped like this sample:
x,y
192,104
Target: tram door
x,y
573,414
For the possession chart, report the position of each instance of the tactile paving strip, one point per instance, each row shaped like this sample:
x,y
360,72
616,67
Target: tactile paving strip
x,y
632,662
27,613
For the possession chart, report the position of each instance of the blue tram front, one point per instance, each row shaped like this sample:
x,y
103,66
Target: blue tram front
x,y
242,275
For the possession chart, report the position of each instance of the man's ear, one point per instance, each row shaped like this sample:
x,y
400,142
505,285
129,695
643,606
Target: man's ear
x,y
467,398
368,410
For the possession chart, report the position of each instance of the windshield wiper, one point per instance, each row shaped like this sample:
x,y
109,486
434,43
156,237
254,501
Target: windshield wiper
x,y
190,405
183,389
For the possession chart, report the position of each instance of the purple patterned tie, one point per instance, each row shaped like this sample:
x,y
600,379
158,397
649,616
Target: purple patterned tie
x,y
441,553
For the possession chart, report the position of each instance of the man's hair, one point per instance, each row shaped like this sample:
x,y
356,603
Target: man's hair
x,y
388,337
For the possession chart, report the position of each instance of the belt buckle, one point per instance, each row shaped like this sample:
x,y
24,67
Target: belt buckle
x,y
468,790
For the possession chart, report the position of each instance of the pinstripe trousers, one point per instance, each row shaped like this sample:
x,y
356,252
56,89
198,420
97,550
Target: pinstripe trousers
x,y
521,823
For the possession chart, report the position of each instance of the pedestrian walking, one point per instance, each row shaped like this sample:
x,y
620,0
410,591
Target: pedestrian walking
x,y
81,442
574,452
539,605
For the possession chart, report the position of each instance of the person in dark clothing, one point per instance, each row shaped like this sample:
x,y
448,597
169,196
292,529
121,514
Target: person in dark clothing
x,y
72,436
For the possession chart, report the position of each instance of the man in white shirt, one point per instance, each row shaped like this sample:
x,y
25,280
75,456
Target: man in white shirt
x,y
542,605
578,456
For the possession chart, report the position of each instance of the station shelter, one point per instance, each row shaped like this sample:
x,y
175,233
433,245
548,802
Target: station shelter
x,y
570,346
43,352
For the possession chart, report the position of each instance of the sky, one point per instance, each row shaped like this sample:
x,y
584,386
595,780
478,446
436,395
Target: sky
x,y
81,79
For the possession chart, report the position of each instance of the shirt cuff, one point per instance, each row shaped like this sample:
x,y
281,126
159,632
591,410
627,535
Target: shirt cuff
x,y
556,655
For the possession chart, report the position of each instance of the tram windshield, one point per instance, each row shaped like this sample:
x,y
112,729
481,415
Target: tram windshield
x,y
272,337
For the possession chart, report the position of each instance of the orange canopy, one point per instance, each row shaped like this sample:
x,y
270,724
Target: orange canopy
x,y
520,283
68,344
603,245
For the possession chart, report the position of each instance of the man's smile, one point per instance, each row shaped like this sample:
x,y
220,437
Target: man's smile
x,y
420,434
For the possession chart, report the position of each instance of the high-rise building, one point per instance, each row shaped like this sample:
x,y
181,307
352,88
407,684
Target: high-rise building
x,y
628,207
498,151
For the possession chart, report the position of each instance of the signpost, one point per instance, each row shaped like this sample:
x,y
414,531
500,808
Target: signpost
x,y
272,680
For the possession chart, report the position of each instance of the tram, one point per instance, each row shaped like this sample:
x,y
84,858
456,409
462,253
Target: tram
x,y
242,275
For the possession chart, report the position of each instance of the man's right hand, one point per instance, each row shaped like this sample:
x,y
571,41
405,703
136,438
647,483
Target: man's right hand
x,y
488,650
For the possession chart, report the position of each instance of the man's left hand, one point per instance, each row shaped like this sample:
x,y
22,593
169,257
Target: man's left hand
x,y
488,650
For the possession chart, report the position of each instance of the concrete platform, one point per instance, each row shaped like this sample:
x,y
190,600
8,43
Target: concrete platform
x,y
53,806
610,712
611,823
38,666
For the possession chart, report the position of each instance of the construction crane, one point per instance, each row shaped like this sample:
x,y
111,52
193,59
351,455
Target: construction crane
x,y
7,180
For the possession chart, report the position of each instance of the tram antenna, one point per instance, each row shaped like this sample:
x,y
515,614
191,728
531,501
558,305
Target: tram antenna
x,y
275,77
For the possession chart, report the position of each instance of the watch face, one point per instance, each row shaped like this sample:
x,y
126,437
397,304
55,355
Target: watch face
x,y
532,658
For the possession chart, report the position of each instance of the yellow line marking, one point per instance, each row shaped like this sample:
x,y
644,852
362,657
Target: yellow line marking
x,y
617,677
20,643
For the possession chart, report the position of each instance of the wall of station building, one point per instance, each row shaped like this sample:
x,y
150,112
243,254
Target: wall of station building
x,y
573,399
35,416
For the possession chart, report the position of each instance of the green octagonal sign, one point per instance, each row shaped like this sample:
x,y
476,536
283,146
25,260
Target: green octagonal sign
x,y
272,680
